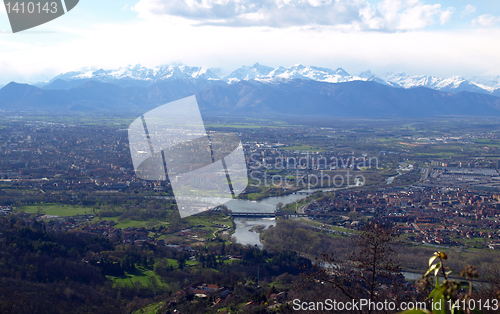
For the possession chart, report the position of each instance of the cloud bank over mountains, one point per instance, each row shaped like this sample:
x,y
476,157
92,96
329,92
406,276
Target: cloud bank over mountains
x,y
438,37
387,15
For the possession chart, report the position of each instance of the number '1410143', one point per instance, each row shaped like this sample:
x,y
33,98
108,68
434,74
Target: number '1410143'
x,y
31,7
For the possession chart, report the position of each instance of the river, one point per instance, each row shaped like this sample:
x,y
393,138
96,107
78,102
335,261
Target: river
x,y
391,179
243,225
268,205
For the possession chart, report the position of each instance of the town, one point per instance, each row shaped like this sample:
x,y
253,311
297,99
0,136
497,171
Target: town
x,y
76,181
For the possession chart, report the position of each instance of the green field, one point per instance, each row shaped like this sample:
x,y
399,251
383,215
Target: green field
x,y
304,148
487,142
192,263
335,228
208,222
57,210
115,219
385,140
247,124
239,126
342,229
151,309
172,262
255,196
213,219
132,223
86,119
143,277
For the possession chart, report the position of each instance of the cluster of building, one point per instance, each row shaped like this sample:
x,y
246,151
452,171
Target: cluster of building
x,y
5,210
86,224
204,290
52,156
429,215
477,178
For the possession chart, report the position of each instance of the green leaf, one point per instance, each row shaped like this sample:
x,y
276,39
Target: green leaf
x,y
437,282
433,292
438,303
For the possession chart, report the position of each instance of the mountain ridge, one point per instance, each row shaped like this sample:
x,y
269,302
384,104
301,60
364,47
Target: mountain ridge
x,y
258,98
138,75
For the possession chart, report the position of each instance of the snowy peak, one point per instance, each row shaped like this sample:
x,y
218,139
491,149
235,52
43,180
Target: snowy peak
x,y
253,72
298,71
141,73
403,80
452,84
137,74
367,75
201,73
492,81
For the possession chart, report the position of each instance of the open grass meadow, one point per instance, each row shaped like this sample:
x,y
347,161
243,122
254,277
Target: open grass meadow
x,y
305,148
208,222
57,210
153,308
142,277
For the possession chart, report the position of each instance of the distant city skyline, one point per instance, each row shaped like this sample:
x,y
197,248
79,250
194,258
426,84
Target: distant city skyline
x,y
421,37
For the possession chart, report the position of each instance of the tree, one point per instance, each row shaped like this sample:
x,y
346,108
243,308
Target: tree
x,y
370,271
279,206
374,256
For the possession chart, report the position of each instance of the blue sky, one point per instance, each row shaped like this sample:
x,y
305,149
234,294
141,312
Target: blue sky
x,y
441,38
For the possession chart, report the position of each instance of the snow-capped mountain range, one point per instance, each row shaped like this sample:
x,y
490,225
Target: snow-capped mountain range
x,y
141,73
258,91
265,74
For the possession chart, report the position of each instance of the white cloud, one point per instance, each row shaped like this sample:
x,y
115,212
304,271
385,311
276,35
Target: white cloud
x,y
469,9
388,15
486,20
161,41
418,17
411,14
445,16
401,44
